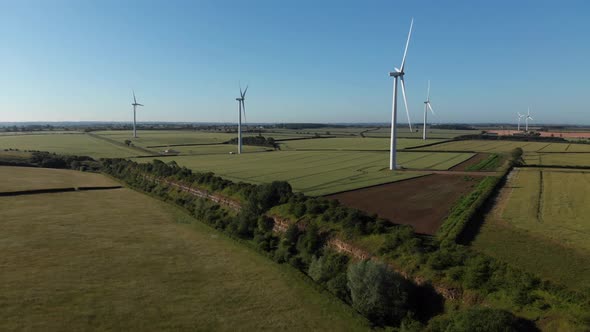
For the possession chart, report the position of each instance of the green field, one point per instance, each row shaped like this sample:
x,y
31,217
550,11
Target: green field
x,y
217,149
147,138
75,144
29,178
540,224
119,260
431,133
352,143
506,146
558,159
318,172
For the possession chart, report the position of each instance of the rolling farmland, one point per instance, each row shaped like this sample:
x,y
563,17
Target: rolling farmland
x,y
28,178
120,260
493,146
558,159
541,227
318,172
352,143
73,144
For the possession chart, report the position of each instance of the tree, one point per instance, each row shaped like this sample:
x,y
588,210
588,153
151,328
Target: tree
x,y
128,142
377,292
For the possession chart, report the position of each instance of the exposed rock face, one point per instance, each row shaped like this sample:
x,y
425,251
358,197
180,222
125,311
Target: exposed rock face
x,y
281,225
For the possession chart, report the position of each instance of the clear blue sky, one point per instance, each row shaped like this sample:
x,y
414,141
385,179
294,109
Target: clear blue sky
x,y
305,61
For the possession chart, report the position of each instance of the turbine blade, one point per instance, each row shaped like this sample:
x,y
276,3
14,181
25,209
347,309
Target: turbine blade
x,y
244,108
134,100
407,44
430,107
406,101
244,94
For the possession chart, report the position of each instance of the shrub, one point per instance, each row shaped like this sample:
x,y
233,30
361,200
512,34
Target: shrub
x,y
377,292
478,319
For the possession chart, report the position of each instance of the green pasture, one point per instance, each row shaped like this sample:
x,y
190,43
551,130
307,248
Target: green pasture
x,y
147,138
352,143
215,149
29,178
501,146
558,159
540,223
318,172
73,144
417,133
120,260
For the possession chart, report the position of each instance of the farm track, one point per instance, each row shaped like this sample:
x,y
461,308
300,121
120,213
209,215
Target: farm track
x,y
115,142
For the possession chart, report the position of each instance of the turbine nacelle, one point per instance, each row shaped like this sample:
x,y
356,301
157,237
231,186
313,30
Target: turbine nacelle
x,y
396,73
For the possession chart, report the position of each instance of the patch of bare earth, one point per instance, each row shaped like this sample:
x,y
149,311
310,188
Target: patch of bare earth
x,y
422,203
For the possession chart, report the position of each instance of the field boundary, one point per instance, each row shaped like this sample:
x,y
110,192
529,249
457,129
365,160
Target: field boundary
x,y
115,142
55,190
377,185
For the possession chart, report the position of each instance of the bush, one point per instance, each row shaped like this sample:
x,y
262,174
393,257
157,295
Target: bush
x,y
479,319
377,292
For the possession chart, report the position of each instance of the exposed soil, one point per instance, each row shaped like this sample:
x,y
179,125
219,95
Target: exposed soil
x,y
470,162
422,203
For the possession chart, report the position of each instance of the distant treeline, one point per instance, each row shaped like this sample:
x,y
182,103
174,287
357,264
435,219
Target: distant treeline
x,y
52,160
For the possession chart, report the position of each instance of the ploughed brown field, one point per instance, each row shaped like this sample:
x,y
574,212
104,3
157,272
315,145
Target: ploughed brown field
x,y
422,203
470,162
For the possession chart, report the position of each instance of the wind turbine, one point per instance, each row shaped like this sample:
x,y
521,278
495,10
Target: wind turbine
x,y
241,106
520,116
528,117
427,106
398,76
135,104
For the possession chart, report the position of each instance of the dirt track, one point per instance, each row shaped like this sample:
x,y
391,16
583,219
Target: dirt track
x,y
422,203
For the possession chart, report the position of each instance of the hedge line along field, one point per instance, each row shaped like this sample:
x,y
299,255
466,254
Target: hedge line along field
x,y
352,143
30,178
318,172
217,149
540,223
71,144
148,138
494,146
120,260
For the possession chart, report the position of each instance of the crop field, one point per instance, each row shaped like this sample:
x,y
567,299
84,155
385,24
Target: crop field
x,y
506,146
558,159
148,138
216,149
318,172
543,227
120,260
422,203
352,143
74,144
431,133
29,178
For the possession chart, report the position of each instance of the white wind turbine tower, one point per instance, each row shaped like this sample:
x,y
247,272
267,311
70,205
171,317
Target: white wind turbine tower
x,y
427,107
520,116
135,104
398,75
526,120
241,106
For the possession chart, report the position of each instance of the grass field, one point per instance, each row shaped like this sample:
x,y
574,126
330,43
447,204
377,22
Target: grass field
x,y
29,178
558,159
431,133
75,144
507,146
147,138
217,149
318,172
352,143
119,260
540,223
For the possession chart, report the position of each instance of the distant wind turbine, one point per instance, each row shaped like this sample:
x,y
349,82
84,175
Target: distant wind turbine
x,y
520,116
398,74
241,106
528,117
427,107
135,104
